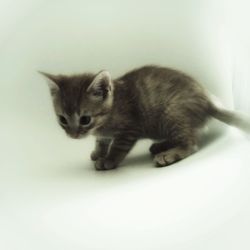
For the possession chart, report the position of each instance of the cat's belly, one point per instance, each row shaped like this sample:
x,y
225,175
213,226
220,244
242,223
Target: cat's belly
x,y
153,131
148,130
154,135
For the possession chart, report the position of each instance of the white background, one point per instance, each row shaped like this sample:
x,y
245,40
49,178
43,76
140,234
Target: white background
x,y
51,197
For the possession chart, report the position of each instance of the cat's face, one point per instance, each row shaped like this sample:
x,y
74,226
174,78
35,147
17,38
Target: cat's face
x,y
82,103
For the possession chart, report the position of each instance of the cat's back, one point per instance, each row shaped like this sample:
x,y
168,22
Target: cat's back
x,y
153,94
153,76
140,75
155,84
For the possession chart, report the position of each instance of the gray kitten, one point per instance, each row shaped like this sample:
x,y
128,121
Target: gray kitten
x,y
153,102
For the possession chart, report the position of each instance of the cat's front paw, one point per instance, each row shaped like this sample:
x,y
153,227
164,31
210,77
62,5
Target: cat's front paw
x,y
154,149
104,164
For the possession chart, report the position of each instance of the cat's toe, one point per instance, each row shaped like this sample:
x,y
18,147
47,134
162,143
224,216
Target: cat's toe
x,y
99,164
163,159
109,165
102,164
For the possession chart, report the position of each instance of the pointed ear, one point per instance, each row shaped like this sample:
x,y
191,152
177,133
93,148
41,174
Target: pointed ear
x,y
101,86
53,81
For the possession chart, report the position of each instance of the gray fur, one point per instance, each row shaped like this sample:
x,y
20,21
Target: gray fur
x,y
153,102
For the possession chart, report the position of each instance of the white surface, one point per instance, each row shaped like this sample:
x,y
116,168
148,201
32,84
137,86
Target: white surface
x,y
51,197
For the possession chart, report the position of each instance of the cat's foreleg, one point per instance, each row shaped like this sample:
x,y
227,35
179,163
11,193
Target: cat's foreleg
x,y
101,148
119,148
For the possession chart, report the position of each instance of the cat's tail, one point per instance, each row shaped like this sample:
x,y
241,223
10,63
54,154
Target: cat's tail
x,y
232,118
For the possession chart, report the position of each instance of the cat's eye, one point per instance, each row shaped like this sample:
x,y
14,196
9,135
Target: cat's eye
x,y
85,120
98,93
63,120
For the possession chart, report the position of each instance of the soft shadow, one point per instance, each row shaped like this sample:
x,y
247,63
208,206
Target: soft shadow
x,y
141,159
211,136
136,160
84,171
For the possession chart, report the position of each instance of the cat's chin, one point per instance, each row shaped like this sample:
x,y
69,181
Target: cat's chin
x,y
79,136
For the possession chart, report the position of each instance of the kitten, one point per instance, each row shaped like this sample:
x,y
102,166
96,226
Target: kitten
x,y
153,102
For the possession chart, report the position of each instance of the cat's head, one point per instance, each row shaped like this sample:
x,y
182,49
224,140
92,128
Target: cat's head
x,y
81,102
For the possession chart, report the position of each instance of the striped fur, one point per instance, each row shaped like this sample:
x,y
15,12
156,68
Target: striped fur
x,y
153,102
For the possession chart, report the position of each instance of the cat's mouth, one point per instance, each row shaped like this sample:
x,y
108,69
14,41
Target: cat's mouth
x,y
73,135
77,135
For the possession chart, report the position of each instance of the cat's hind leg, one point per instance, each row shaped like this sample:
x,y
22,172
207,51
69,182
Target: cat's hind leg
x,y
178,145
173,155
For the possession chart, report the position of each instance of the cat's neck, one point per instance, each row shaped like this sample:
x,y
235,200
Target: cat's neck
x,y
119,113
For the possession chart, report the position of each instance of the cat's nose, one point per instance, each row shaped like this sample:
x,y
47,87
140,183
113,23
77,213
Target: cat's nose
x,y
74,133
75,136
